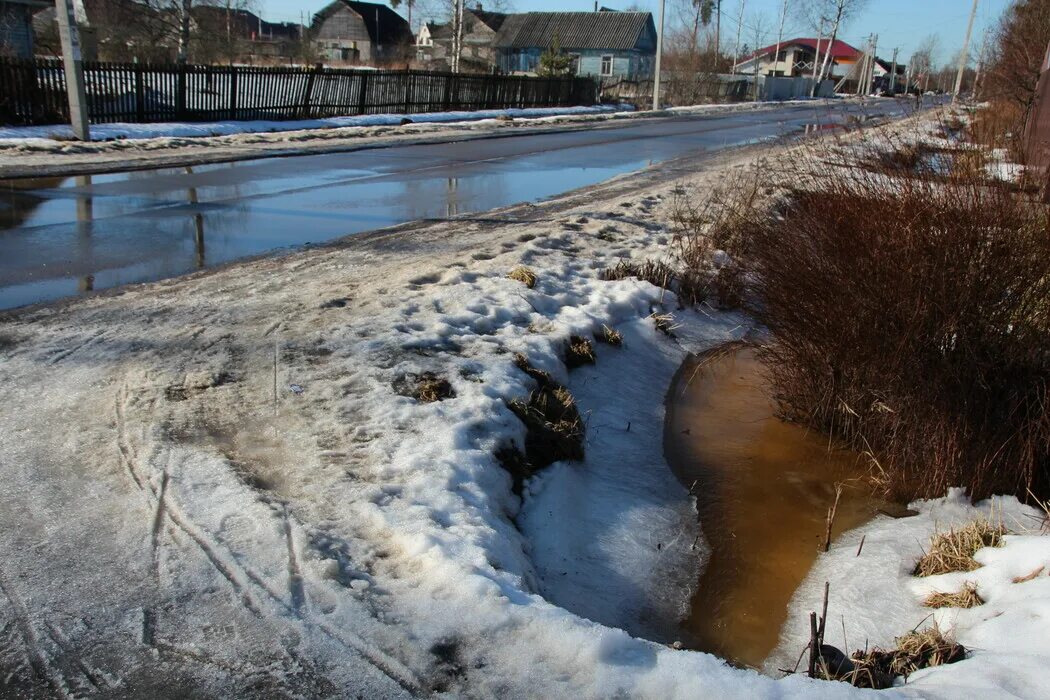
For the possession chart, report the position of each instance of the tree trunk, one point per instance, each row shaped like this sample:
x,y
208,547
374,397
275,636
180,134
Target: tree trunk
x,y
827,52
184,30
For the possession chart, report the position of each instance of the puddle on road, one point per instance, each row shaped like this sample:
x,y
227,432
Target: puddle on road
x,y
763,488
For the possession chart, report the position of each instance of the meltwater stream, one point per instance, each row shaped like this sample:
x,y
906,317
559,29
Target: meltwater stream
x,y
763,489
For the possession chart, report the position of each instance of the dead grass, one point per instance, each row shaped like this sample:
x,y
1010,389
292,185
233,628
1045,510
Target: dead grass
x,y
609,336
431,387
664,323
953,550
877,668
691,287
579,351
553,425
1031,576
524,275
909,316
966,598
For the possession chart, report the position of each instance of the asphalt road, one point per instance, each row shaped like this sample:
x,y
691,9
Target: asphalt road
x,y
64,236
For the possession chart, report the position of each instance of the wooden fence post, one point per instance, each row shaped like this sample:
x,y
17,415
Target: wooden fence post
x,y
180,92
140,95
362,101
304,109
233,92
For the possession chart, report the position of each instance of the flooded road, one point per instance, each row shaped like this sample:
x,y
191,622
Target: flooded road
x,y
763,490
67,236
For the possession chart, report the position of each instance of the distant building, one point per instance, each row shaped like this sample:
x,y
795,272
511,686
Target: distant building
x,y
360,32
796,59
603,44
434,42
16,27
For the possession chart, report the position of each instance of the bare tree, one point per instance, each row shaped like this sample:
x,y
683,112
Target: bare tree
x,y
834,13
922,64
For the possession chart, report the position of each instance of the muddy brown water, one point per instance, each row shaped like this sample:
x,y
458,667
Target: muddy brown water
x,y
763,489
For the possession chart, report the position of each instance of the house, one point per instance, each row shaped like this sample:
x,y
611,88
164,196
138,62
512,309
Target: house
x,y
796,59
434,42
603,44
16,27
363,32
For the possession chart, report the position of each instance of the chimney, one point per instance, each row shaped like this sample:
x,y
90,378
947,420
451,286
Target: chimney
x,y
595,5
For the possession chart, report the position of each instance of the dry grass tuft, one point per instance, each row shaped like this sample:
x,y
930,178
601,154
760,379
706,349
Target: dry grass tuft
x,y
916,650
524,275
689,286
664,323
579,351
542,378
953,550
609,336
554,427
431,387
966,598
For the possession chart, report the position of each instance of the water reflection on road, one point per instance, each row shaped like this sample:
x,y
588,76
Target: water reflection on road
x,y
60,237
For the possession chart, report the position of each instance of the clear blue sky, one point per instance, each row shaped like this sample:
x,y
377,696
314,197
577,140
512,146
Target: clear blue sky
x,y
901,23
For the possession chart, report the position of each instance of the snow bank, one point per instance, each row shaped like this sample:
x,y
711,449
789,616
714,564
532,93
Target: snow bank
x,y
107,132
874,598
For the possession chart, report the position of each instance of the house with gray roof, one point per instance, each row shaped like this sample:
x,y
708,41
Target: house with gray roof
x,y
604,44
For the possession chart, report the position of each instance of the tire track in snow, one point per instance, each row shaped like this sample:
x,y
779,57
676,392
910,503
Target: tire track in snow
x,y
38,659
241,577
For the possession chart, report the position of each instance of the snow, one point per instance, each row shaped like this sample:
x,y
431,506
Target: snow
x,y
875,598
108,132
176,515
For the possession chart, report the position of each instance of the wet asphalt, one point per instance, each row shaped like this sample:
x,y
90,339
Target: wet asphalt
x,y
61,237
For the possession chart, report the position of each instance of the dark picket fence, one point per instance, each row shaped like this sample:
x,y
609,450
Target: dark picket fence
x,y
33,91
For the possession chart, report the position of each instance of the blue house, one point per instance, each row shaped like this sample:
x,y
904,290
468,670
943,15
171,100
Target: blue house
x,y
605,44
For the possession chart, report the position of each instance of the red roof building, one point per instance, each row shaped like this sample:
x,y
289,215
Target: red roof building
x,y
797,56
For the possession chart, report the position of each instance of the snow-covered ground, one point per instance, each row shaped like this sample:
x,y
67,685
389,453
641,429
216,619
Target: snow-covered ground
x,y
216,486
32,135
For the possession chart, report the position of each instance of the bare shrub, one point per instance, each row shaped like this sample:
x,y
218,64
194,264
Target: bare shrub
x,y
910,316
953,550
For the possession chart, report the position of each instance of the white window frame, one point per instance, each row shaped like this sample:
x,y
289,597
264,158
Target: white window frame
x,y
601,67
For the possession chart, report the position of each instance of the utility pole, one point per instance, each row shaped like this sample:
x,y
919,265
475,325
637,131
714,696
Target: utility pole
x,y
893,74
74,67
718,30
659,53
739,26
816,56
869,76
965,53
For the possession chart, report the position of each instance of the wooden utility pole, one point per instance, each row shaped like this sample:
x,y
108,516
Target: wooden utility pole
x,y
718,30
893,74
964,54
659,53
73,62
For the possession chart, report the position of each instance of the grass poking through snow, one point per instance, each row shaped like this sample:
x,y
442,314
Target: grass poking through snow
x,y
609,336
966,598
953,550
579,352
524,275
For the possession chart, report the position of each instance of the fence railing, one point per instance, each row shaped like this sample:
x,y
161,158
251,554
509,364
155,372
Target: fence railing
x,y
33,91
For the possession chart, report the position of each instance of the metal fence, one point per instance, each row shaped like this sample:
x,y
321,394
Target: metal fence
x,y
33,91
